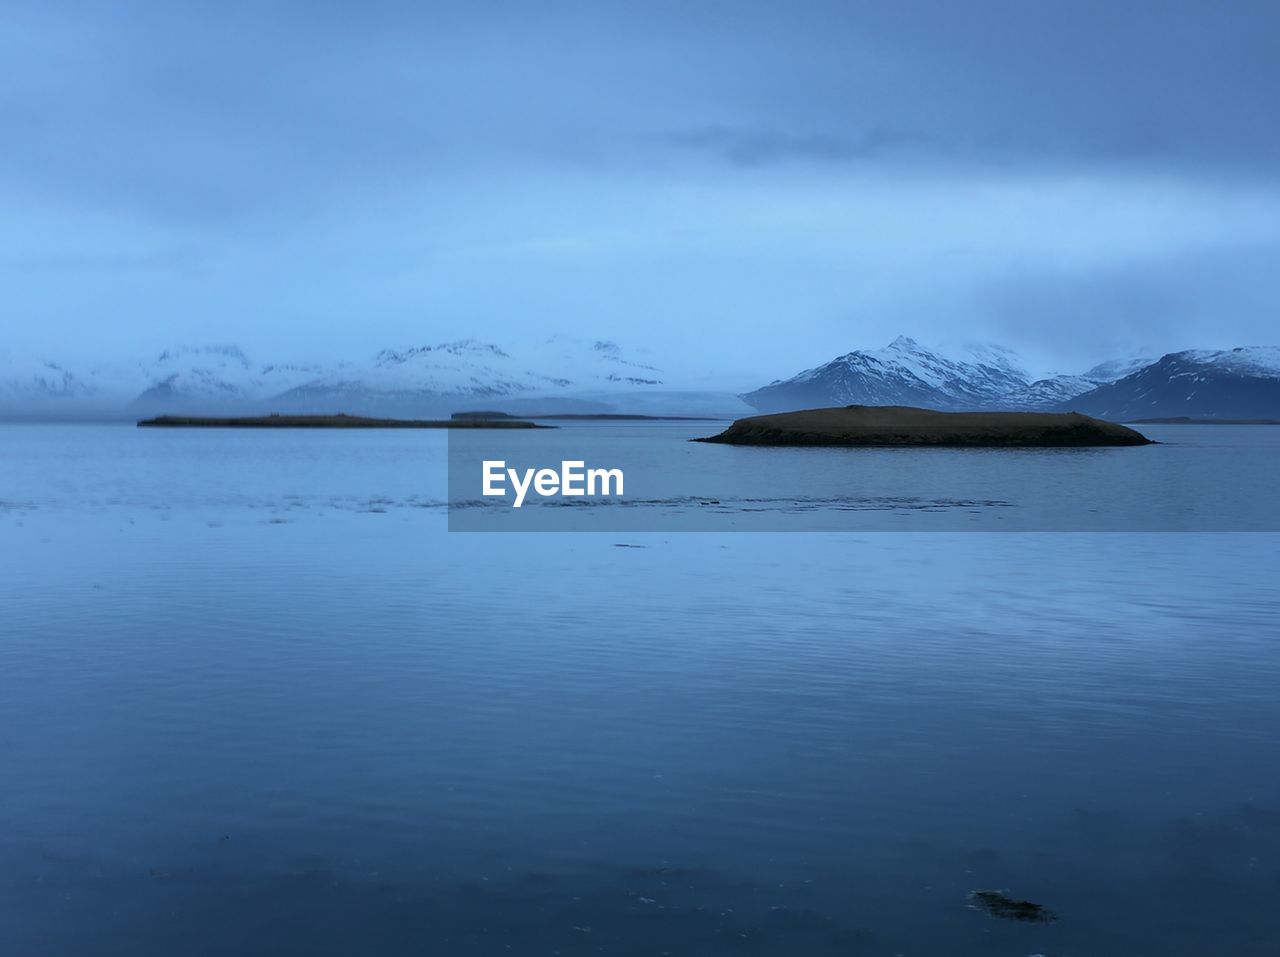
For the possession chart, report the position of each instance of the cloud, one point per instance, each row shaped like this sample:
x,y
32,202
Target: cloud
x,y
758,147
390,168
1216,298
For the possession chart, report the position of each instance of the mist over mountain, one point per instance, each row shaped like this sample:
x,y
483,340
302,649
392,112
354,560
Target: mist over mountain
x,y
25,381
570,374
558,374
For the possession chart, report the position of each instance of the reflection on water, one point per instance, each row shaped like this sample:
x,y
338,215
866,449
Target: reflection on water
x,y
295,729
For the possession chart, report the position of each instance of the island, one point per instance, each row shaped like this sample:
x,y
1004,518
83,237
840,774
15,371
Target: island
x,y
903,426
340,421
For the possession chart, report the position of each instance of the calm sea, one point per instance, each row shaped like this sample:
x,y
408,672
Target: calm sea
x,y
256,699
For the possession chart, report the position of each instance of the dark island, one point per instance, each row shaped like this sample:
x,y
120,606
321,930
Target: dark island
x,y
330,422
902,426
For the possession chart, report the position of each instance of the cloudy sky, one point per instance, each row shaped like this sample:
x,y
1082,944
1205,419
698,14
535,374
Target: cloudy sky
x,y
743,187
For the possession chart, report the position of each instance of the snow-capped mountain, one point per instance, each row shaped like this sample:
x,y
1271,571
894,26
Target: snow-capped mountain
x,y
42,388
1053,391
981,376
902,373
1234,383
1117,369
435,378
432,379
1048,393
592,363
179,379
216,378
38,380
560,374
419,380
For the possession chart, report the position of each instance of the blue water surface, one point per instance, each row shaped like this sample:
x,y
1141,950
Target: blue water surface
x,y
255,699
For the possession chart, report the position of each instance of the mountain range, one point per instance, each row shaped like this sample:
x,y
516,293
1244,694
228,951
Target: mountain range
x,y
564,374
1234,383
1241,383
902,373
559,374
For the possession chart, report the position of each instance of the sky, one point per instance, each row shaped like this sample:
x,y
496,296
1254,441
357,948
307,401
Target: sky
x,y
740,189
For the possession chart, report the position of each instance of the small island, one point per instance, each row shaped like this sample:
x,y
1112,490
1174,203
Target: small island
x,y
590,417
902,426
339,421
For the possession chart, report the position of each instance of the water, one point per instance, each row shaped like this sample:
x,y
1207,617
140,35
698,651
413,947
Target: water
x,y
254,699
1198,478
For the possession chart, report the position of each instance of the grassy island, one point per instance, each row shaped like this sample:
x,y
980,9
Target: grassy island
x,y
889,426
330,422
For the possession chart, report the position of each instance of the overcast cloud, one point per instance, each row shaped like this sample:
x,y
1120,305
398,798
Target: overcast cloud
x,y
744,188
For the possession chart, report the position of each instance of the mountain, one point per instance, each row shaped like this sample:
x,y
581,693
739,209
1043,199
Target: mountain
x,y
419,380
973,377
211,379
434,379
1234,383
565,374
593,364
37,379
556,374
1117,369
1050,393
180,379
40,388
902,373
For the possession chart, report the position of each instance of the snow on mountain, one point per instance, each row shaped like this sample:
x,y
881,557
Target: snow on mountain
x,y
24,379
968,376
1249,362
1053,391
424,379
591,363
41,388
435,379
464,367
179,379
1232,383
575,374
216,378
902,373
420,377
1117,369
1047,393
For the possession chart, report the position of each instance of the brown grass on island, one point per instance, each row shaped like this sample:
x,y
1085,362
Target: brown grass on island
x,y
902,426
340,421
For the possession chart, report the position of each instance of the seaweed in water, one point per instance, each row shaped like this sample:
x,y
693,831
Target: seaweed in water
x,y
1000,904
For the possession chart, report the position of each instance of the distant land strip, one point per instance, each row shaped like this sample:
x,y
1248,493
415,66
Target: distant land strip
x,y
330,422
1187,420
586,417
